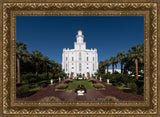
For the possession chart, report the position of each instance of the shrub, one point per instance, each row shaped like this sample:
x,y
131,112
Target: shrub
x,y
91,80
50,75
28,78
68,81
80,87
22,91
43,85
50,99
44,81
108,99
140,91
36,89
140,83
62,86
31,86
133,87
98,85
108,75
43,76
121,79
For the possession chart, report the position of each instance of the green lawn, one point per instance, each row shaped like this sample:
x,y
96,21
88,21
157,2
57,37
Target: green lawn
x,y
74,84
109,83
120,87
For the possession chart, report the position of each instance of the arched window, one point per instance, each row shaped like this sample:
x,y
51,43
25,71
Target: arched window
x,y
93,67
80,66
80,56
87,58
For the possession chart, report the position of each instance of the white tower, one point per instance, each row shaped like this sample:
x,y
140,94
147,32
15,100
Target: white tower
x,y
80,45
80,60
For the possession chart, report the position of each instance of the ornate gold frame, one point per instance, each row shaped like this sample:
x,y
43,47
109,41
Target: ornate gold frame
x,y
11,9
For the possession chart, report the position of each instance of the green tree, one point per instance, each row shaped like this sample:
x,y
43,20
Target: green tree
x,y
107,63
21,51
36,57
113,62
46,61
121,58
136,54
101,67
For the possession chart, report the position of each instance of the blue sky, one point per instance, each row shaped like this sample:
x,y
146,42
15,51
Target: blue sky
x,y
109,34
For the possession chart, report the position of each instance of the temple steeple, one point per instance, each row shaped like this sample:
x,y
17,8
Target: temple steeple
x,y
80,36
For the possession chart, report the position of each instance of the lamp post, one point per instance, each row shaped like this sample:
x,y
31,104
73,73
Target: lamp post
x,y
100,78
51,81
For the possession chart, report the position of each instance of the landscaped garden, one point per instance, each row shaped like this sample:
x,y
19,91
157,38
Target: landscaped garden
x,y
35,72
131,76
75,83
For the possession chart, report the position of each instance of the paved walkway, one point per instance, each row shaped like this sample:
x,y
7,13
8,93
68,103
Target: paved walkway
x,y
70,95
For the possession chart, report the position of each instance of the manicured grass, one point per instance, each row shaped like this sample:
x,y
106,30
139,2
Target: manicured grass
x,y
109,83
74,84
120,87
49,85
36,89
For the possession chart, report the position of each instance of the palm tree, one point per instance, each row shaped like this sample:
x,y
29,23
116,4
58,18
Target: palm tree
x,y
121,57
101,67
113,61
116,61
136,54
46,61
107,63
51,65
36,57
21,50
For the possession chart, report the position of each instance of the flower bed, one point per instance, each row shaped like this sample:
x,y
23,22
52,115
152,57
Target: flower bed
x,y
98,85
80,88
91,80
68,81
62,86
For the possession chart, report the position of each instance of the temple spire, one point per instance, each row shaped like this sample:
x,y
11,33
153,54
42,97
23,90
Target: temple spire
x,y
80,36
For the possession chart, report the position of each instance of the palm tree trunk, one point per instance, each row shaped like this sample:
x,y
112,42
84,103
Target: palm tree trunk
x,y
37,70
47,71
44,66
136,65
121,67
107,69
18,71
112,68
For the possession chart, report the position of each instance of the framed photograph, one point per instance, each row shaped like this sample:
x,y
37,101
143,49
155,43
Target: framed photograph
x,y
79,58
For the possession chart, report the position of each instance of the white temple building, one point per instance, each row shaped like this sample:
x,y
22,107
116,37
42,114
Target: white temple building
x,y
80,61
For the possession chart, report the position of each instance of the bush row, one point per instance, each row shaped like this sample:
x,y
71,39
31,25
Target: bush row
x,y
31,78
